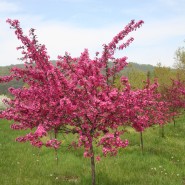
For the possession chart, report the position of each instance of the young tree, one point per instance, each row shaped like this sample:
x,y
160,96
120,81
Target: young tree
x,y
146,108
175,97
164,75
75,97
180,58
171,85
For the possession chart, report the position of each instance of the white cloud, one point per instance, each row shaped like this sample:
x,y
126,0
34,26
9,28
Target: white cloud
x,y
63,37
151,43
7,7
160,31
176,6
172,2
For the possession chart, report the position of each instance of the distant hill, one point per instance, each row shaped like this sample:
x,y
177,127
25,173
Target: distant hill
x,y
143,67
5,70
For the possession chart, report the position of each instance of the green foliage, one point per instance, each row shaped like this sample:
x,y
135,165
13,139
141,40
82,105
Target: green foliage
x,y
143,67
164,76
180,62
180,58
135,76
4,87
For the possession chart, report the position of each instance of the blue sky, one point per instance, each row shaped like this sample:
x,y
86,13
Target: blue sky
x,y
72,25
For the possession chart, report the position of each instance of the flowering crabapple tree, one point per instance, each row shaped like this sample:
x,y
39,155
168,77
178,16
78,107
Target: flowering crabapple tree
x,y
174,94
145,108
76,96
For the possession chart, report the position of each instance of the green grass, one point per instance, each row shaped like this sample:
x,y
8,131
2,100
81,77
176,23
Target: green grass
x,y
163,161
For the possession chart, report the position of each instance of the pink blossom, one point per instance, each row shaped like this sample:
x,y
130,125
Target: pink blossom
x,y
98,158
40,131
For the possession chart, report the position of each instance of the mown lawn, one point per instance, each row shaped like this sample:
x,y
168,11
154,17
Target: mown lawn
x,y
163,161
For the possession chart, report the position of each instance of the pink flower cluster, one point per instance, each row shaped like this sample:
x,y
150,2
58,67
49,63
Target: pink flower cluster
x,y
111,143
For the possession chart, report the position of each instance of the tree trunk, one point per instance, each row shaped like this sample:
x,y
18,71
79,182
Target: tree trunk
x,y
141,140
56,152
162,131
92,166
173,120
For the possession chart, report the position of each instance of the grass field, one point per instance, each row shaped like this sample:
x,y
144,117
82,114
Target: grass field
x,y
163,161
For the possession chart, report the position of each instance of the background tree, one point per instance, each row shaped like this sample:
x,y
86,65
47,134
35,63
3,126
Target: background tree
x,y
180,62
180,58
135,76
164,75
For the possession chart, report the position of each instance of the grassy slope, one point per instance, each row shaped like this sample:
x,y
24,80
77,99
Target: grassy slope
x,y
163,162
